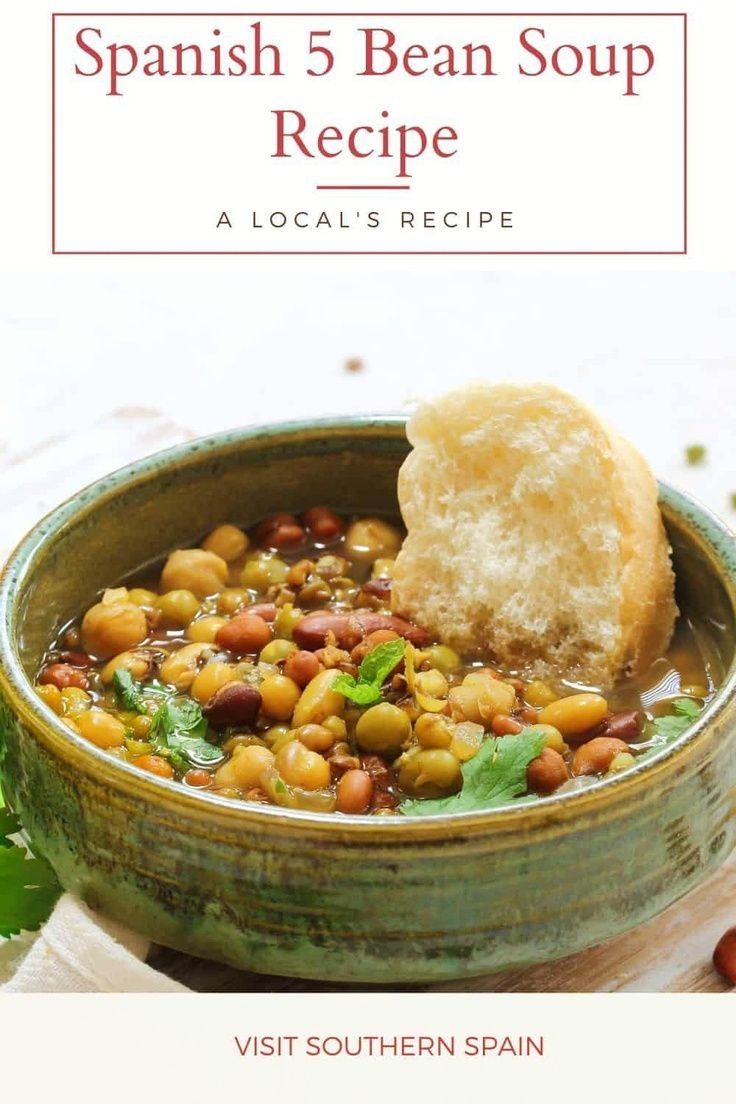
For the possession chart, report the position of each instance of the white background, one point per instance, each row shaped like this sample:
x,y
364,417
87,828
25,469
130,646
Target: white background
x,y
581,165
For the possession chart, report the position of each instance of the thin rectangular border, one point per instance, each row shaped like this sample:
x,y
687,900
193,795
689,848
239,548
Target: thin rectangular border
x,y
373,252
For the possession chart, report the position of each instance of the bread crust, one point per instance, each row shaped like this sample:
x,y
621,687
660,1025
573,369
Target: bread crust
x,y
474,459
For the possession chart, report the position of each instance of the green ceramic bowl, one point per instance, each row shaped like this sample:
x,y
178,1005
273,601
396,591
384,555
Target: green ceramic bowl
x,y
342,898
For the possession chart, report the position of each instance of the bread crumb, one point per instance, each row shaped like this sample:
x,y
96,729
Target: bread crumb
x,y
354,364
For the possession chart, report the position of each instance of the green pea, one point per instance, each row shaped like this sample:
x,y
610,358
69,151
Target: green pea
x,y
276,651
383,729
443,658
431,773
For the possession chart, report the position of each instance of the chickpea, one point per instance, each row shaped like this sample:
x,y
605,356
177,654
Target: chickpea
x,y
245,767
538,694
154,764
621,762
74,701
441,657
337,726
575,714
263,571
552,736
481,697
195,569
315,737
50,695
246,634
230,600
431,773
547,772
205,629
139,664
280,695
274,733
226,541
277,651
178,607
210,679
433,731
287,617
146,599
298,766
371,538
101,728
354,792
383,729
318,700
596,756
302,667
433,683
112,627
179,669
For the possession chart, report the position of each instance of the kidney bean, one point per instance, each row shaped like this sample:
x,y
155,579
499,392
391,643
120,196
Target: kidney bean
x,y
265,610
724,956
235,703
270,524
323,524
302,667
350,628
548,771
197,778
286,536
62,675
244,635
354,792
76,659
382,799
595,756
378,588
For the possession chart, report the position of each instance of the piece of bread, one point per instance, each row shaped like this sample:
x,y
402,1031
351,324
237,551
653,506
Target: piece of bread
x,y
534,536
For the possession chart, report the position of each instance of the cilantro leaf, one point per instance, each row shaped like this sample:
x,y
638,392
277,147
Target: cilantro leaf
x,y
496,775
373,671
179,729
28,891
686,711
127,691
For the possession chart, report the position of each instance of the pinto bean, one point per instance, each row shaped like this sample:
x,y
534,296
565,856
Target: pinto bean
x,y
235,703
323,524
244,635
354,792
76,659
265,610
302,667
596,756
548,771
350,628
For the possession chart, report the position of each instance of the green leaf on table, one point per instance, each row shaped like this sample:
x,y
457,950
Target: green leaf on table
x,y
496,775
372,673
28,891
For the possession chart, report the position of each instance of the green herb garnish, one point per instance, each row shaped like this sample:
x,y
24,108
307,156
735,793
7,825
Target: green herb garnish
x,y
127,691
496,775
179,731
674,724
28,885
375,668
695,454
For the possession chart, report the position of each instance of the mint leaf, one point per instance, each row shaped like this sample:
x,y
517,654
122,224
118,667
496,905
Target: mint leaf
x,y
179,730
496,775
127,691
375,668
380,662
362,693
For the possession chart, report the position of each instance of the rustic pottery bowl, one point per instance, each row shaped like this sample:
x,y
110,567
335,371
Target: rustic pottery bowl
x,y
342,898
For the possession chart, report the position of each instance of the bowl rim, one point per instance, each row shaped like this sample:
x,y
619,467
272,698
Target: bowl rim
x,y
194,805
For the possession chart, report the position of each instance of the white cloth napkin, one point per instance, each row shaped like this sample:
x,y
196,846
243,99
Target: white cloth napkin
x,y
80,951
